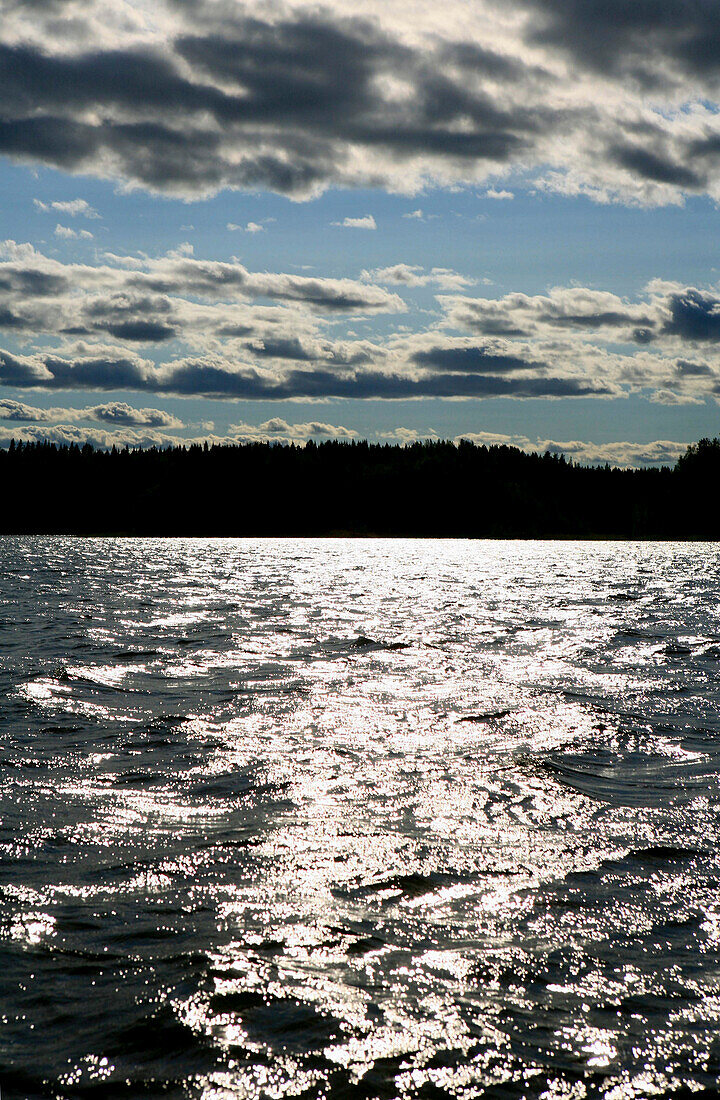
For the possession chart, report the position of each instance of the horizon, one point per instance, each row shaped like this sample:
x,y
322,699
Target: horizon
x,y
592,457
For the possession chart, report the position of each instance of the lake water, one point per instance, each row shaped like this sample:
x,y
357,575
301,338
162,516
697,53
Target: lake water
x,y
359,818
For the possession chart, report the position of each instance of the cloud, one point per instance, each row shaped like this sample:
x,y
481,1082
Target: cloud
x,y
66,434
72,234
251,227
407,436
366,222
648,43
491,193
73,207
210,379
180,324
227,98
670,336
660,452
693,316
417,214
667,316
52,372
481,359
277,429
28,414
573,309
118,412
613,100
150,300
218,378
412,275
115,412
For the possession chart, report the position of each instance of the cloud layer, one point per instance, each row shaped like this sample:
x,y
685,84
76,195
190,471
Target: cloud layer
x,y
659,452
611,99
178,325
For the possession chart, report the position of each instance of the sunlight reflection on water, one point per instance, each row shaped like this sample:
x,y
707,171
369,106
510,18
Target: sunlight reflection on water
x,y
359,818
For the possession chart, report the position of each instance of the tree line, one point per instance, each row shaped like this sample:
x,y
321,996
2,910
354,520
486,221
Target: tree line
x,y
431,488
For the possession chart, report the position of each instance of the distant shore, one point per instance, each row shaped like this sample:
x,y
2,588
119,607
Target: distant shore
x,y
356,489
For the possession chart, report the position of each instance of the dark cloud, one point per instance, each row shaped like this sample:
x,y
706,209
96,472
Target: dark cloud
x,y
609,318
306,98
8,319
141,331
496,326
466,359
235,330
52,6
254,103
292,348
289,348
655,166
133,318
634,37
693,316
130,78
477,59
706,147
198,377
18,372
307,69
373,384
166,158
92,374
21,279
686,368
50,139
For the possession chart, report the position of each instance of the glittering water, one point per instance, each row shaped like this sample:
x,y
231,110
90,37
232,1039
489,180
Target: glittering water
x,y
359,818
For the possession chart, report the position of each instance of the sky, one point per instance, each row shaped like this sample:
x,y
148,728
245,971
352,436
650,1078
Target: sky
x,y
393,220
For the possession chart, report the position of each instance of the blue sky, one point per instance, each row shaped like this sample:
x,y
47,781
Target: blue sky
x,y
290,222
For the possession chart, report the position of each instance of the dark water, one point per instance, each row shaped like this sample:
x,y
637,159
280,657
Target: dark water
x,y
357,819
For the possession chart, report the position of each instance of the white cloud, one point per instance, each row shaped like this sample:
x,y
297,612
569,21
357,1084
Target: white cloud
x,y
366,222
491,193
412,275
72,234
278,429
407,436
660,452
73,208
275,430
113,412
251,227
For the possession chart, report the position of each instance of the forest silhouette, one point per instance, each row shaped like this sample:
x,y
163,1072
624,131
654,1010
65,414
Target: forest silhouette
x,y
430,488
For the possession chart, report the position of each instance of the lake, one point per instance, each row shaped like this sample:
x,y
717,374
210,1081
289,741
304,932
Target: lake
x,y
353,818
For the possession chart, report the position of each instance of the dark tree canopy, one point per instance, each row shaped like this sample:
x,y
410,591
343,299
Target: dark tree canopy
x,y
358,488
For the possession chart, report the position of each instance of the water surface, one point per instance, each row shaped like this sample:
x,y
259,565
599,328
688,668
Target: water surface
x,y
358,818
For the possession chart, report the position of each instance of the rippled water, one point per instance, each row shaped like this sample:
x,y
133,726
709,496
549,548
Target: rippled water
x,y
359,818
